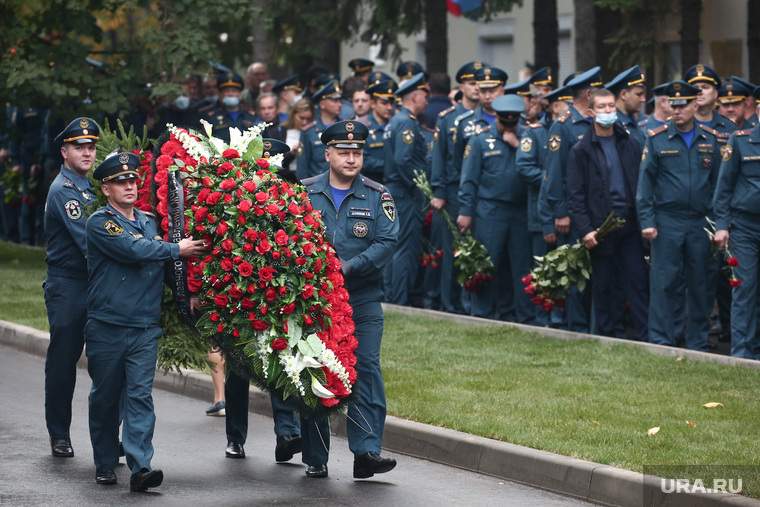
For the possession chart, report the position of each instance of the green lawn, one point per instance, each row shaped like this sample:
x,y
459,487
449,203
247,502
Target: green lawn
x,y
584,399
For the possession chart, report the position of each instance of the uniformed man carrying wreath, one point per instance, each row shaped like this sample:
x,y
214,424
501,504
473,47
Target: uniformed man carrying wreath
x,y
125,262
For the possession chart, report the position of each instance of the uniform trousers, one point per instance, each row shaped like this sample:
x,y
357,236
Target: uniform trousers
x,y
680,252
67,316
502,228
451,291
745,246
236,421
401,272
121,357
366,415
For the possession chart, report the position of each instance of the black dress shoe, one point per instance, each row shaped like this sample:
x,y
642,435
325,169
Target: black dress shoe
x,y
145,479
370,463
61,447
316,471
234,450
287,446
105,477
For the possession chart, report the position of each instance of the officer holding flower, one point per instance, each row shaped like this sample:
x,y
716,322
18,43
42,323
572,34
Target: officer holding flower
x,y
737,216
360,218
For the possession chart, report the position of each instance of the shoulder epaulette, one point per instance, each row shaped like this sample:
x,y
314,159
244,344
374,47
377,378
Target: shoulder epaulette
x,y
464,116
309,181
480,130
643,123
364,120
446,111
742,132
106,210
564,116
68,183
369,183
537,125
710,130
658,130
309,126
411,116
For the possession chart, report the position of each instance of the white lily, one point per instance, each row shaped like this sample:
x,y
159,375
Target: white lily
x,y
207,127
320,390
303,361
235,137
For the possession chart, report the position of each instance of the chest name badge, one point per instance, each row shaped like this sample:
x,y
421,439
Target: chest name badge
x,y
360,229
113,228
73,209
706,160
390,210
360,213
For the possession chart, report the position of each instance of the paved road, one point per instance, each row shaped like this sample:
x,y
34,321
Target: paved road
x,y
190,450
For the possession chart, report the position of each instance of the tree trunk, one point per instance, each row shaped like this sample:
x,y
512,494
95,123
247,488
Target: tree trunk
x,y
546,36
437,39
753,40
608,24
260,43
690,27
585,35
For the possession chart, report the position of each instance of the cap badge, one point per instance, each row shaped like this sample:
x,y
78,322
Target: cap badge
x,y
487,71
84,123
350,127
267,145
676,86
477,65
124,158
230,75
729,86
700,69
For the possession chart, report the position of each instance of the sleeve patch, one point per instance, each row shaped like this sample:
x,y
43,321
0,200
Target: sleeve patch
x,y
554,142
73,209
113,228
726,152
390,210
467,150
526,144
644,154
407,136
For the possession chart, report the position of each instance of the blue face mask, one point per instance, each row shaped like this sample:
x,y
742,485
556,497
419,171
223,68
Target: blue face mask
x,y
231,102
211,99
182,102
606,120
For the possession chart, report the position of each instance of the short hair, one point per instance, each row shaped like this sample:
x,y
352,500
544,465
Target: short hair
x,y
598,92
352,85
265,95
194,78
440,83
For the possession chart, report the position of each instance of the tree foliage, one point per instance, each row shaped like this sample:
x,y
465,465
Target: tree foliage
x,y
94,56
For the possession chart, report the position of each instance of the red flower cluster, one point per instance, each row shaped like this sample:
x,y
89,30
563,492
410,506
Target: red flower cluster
x,y
540,298
173,154
143,202
428,219
477,282
429,259
268,263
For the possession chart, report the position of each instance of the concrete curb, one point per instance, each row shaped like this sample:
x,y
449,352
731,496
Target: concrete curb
x,y
586,480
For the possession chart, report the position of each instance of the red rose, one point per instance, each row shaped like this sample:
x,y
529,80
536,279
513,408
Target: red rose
x,y
279,344
527,279
262,163
227,244
300,261
289,308
249,186
247,247
276,255
261,197
220,300
530,289
548,306
266,273
308,291
236,333
307,319
214,317
220,328
259,325
270,294
281,238
735,283
272,209
247,303
732,261
329,402
230,153
244,205
227,264
221,229
225,168
245,269
237,259
263,247
228,198
294,209
235,292
213,198
308,248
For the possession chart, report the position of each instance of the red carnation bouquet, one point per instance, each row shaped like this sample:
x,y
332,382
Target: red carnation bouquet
x,y
270,290
731,261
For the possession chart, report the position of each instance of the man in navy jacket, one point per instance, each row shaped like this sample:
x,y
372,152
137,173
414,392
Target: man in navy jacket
x,y
602,176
